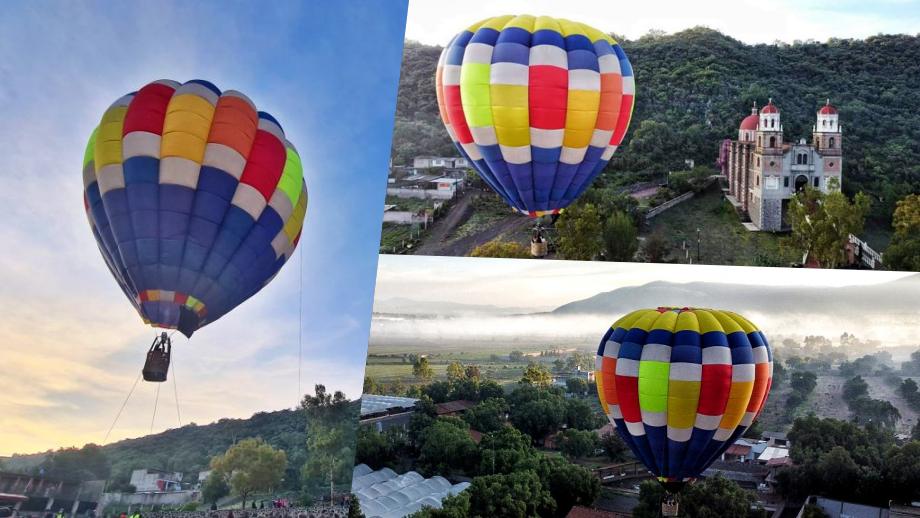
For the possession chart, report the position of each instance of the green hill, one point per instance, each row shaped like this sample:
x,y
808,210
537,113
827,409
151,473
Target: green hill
x,y
694,87
188,449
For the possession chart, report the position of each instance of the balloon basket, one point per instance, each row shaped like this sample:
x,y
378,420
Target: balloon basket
x,y
538,248
156,366
669,505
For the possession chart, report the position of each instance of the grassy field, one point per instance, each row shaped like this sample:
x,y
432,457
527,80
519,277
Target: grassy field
x,y
394,238
723,239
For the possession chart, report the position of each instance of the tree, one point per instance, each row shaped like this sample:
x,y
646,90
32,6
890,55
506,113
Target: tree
x,y
614,447
214,488
331,438
487,416
378,449
855,387
536,374
711,497
513,495
539,418
568,484
446,446
581,416
904,251
422,370
803,382
250,466
501,249
506,451
656,247
576,386
822,223
455,371
472,372
577,444
839,473
455,506
354,508
621,238
902,470
490,388
580,229
516,356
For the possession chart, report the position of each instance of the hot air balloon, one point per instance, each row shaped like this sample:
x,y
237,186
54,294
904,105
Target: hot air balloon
x,y
196,201
681,385
538,105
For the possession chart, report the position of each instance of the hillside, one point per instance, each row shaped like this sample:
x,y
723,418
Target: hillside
x,y
694,87
188,449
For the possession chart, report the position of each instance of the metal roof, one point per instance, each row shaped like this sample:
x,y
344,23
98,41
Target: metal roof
x,y
385,494
375,404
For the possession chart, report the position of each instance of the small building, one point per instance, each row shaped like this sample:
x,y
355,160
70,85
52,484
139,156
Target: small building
x,y
775,438
454,408
384,412
747,475
156,481
840,509
772,453
428,162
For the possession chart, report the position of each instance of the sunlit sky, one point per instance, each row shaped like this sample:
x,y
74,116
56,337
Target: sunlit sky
x,y
71,344
752,21
542,285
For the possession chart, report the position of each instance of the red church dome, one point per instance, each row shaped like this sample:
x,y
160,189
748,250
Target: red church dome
x,y
769,108
750,122
827,109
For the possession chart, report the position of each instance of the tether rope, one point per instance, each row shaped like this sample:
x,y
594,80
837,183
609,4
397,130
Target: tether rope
x,y
120,410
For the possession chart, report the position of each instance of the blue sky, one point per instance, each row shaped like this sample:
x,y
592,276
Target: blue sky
x,y
72,345
751,21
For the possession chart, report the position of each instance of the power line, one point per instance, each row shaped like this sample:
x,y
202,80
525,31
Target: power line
x,y
300,334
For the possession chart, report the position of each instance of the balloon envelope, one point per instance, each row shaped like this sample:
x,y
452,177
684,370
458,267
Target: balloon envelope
x,y
538,105
681,385
196,200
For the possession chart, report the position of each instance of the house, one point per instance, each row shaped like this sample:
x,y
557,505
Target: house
x,y
427,162
454,408
150,480
747,475
774,453
775,438
384,412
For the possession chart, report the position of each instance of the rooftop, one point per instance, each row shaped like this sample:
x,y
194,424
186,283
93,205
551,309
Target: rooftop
x,y
375,404
385,494
451,407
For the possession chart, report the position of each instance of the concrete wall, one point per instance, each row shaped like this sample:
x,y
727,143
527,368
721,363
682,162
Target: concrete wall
x,y
425,194
404,217
149,499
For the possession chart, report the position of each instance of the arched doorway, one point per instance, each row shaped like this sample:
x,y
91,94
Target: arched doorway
x,y
801,181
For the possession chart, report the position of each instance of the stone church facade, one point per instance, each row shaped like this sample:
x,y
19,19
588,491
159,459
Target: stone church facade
x,y
764,172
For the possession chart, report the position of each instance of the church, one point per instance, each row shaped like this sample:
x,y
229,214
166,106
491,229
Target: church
x,y
764,172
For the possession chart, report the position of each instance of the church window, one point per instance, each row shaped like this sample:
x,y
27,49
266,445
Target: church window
x,y
758,161
772,163
772,123
759,140
772,141
824,123
758,181
817,181
831,142
785,181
